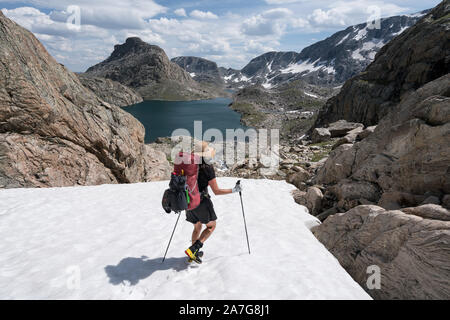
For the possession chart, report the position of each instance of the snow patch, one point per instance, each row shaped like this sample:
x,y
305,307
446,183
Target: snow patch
x,y
361,34
305,66
400,32
114,237
310,94
369,48
343,39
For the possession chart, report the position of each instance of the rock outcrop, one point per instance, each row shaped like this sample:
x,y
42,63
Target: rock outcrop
x,y
415,57
386,195
53,130
411,249
408,152
201,70
147,69
110,91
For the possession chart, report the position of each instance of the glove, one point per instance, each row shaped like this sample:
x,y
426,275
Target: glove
x,y
237,188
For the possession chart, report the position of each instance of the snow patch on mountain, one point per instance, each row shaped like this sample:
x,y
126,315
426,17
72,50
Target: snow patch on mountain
x,y
107,242
361,34
301,67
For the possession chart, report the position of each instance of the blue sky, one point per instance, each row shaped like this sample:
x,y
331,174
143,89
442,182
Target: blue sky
x,y
229,32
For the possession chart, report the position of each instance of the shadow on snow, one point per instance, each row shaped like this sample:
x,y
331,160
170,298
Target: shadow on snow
x,y
133,270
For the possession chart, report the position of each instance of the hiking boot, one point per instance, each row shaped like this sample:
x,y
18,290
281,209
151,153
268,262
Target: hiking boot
x,y
199,255
194,251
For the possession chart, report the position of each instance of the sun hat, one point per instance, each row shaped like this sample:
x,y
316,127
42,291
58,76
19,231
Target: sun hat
x,y
204,149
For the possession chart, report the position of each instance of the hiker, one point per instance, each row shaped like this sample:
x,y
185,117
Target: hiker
x,y
204,214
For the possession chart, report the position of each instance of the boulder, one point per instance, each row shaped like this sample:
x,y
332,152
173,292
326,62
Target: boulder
x,y
157,167
393,200
431,200
299,197
320,135
347,189
325,214
299,178
446,201
314,197
412,253
365,133
429,211
350,137
338,165
342,127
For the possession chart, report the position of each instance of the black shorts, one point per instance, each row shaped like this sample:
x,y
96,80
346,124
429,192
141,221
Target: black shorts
x,y
204,213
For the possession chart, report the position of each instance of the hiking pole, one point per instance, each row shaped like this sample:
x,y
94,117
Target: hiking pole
x,y
243,214
179,214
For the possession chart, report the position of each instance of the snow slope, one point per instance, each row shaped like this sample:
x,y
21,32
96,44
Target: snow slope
x,y
112,238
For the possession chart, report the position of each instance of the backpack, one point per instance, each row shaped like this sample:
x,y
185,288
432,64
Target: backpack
x,y
183,192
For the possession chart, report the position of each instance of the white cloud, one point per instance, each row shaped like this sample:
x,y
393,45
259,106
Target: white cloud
x,y
346,13
272,22
230,39
278,2
203,15
277,13
180,12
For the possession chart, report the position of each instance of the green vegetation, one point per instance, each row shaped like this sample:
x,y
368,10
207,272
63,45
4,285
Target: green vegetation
x,y
442,19
323,144
251,116
326,147
320,155
297,125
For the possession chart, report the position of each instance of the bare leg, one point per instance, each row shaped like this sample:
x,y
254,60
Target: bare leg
x,y
196,232
208,231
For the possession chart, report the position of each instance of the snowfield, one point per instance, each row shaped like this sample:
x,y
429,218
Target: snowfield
x,y
107,242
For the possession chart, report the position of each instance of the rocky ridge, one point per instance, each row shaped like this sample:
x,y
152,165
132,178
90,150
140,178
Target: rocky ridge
x,y
110,91
329,62
147,69
200,69
291,107
383,192
417,56
55,132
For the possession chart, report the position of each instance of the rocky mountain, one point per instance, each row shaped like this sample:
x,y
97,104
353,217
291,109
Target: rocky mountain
x,y
291,107
111,91
201,70
147,69
417,56
55,132
328,62
384,191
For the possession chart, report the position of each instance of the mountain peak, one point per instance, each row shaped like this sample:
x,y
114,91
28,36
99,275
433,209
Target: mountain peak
x,y
132,45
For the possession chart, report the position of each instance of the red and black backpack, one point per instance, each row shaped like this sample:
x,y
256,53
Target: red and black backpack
x,y
183,192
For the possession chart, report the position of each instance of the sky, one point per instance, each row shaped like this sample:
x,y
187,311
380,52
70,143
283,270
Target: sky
x,y
82,33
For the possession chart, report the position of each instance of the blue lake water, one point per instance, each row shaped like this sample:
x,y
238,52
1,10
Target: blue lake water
x,y
161,118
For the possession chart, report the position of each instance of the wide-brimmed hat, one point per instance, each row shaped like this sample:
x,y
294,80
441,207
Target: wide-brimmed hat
x,y
204,149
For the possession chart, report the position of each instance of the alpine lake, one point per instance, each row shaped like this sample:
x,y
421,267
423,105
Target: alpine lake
x,y
161,118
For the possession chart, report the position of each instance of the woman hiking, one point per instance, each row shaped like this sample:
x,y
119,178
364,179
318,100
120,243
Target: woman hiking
x,y
204,214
